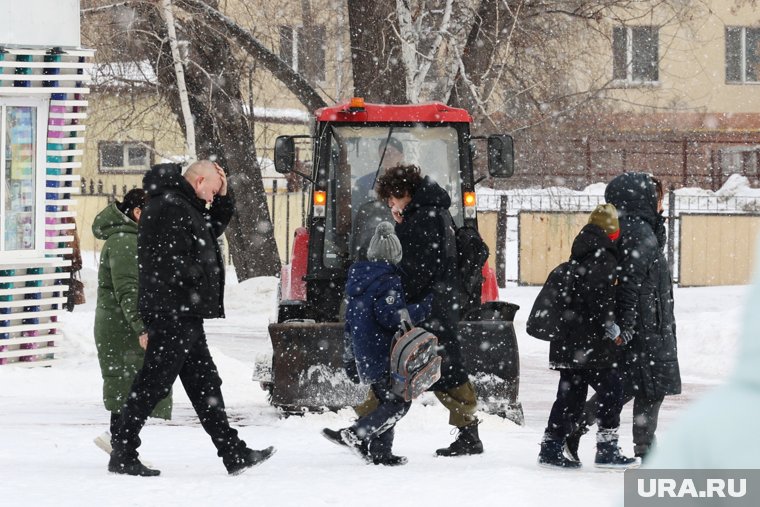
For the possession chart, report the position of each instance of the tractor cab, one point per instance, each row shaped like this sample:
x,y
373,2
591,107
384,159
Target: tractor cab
x,y
353,144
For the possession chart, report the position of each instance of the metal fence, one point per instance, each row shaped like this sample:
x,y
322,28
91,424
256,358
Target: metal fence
x,y
711,238
714,235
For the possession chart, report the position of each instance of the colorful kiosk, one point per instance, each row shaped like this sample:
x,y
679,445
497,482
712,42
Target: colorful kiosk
x,y
43,76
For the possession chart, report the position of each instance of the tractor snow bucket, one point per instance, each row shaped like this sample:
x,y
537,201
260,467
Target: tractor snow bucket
x,y
307,368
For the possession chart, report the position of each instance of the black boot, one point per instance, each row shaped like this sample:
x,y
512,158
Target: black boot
x,y
129,465
380,450
240,461
551,454
467,442
347,437
573,440
608,453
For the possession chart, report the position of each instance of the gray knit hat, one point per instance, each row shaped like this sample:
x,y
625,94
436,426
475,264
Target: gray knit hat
x,y
384,245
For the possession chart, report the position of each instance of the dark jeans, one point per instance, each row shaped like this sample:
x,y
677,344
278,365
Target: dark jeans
x,y
571,396
380,422
176,347
646,413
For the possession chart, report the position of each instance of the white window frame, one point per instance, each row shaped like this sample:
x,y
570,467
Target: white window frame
x,y
742,57
629,79
296,31
125,169
40,178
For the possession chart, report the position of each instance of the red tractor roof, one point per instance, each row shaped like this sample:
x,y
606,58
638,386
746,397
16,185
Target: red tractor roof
x,y
429,113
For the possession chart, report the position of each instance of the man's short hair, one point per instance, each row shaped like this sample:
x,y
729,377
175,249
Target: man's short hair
x,y
399,181
393,143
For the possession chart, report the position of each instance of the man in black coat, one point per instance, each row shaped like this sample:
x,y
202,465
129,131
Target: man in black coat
x,y
429,266
181,282
588,355
644,305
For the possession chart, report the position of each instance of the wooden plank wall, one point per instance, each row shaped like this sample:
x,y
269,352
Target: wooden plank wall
x,y
545,240
717,249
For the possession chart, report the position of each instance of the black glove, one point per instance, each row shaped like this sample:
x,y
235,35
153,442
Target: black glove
x,y
351,371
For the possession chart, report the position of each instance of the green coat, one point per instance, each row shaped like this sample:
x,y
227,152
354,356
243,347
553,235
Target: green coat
x,y
117,322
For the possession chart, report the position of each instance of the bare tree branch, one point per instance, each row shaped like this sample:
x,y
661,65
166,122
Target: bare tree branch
x,y
292,80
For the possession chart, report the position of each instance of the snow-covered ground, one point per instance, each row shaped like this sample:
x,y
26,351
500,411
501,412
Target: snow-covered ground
x,y
49,416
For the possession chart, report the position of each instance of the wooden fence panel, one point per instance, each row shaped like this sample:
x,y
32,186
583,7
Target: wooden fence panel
x,y
545,240
487,226
717,249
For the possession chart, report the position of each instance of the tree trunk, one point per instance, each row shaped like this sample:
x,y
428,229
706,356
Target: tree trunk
x,y
482,43
378,67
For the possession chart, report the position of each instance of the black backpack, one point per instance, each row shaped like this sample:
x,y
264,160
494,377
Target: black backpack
x,y
554,310
471,255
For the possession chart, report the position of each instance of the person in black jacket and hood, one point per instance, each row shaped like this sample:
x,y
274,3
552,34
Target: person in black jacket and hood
x,y
181,282
429,266
588,354
644,306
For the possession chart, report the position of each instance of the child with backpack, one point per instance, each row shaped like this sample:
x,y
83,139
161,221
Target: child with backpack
x,y
583,343
373,316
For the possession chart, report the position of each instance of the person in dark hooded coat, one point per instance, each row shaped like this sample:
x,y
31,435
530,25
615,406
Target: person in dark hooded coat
x,y
644,306
587,356
181,283
374,312
429,266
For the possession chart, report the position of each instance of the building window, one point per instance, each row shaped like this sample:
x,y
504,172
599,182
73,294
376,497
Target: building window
x,y
739,160
742,54
22,140
304,50
124,157
635,54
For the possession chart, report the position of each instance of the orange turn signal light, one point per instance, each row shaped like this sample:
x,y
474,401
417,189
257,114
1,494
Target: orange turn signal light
x,y
320,198
356,103
469,199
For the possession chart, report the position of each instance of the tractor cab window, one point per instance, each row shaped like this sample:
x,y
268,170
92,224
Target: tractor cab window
x,y
360,155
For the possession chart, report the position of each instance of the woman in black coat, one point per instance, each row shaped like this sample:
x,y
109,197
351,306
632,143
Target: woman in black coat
x,y
644,307
588,355
644,303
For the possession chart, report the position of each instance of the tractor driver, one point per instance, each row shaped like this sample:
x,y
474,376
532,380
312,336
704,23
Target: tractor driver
x,y
369,212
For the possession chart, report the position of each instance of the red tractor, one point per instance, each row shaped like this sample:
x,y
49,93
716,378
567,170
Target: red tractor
x,y
352,143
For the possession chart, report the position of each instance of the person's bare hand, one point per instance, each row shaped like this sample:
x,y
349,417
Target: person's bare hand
x,y
618,341
143,340
397,215
223,176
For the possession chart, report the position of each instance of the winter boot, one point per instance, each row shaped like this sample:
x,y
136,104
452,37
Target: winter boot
x,y
380,450
239,462
129,465
551,455
608,453
573,440
467,442
347,437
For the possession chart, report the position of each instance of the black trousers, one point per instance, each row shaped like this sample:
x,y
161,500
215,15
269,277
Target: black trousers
x,y
646,413
176,348
571,397
379,424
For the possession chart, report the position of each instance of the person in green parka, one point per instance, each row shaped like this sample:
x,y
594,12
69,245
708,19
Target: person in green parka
x,y
120,336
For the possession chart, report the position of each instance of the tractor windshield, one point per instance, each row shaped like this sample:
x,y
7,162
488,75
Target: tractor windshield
x,y
358,156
